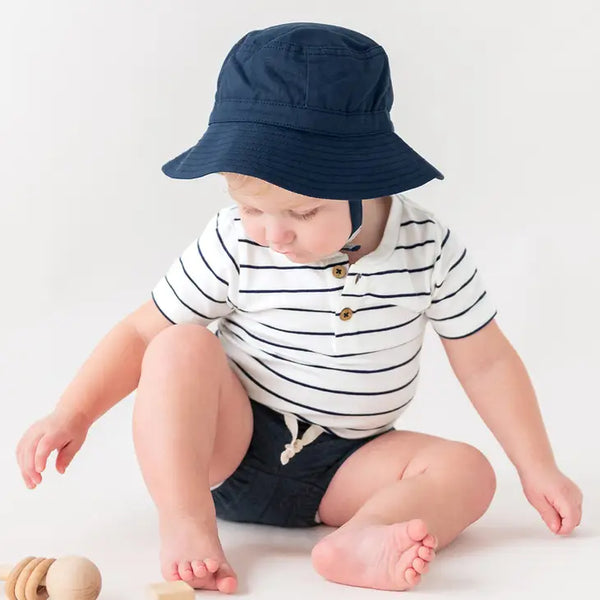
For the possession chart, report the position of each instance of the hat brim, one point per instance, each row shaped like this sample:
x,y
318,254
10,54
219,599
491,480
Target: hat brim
x,y
316,165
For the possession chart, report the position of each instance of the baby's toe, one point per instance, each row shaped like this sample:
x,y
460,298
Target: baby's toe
x,y
226,579
185,570
211,564
171,573
430,541
412,577
199,569
426,553
417,530
420,566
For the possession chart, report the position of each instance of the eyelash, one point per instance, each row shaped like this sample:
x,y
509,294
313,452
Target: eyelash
x,y
308,215
303,217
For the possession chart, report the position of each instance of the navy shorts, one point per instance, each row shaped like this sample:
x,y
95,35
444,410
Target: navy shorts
x,y
262,490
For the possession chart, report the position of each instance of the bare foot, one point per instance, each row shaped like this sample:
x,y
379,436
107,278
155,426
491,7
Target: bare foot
x,y
191,551
384,557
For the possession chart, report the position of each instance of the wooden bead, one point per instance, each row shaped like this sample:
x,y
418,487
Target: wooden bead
x,y
73,578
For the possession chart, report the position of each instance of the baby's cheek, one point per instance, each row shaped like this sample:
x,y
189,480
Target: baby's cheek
x,y
331,239
256,234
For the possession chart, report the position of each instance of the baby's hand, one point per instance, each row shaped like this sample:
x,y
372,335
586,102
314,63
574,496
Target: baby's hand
x,y
61,431
555,497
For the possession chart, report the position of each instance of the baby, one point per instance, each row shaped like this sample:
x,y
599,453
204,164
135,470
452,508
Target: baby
x,y
321,277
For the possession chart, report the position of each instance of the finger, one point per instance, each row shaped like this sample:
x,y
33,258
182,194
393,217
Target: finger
x,y
42,451
65,456
29,458
568,524
19,454
568,511
18,451
21,449
549,514
27,480
569,517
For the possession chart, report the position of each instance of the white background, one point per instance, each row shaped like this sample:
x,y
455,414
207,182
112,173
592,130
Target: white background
x,y
501,97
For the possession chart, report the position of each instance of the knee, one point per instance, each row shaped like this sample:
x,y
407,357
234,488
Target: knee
x,y
182,344
478,475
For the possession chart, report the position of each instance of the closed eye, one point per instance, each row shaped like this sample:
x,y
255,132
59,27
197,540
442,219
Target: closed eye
x,y
303,216
306,216
250,211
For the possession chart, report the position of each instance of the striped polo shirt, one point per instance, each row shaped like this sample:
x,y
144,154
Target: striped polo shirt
x,y
331,343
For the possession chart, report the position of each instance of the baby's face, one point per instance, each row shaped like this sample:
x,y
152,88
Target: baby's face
x,y
305,229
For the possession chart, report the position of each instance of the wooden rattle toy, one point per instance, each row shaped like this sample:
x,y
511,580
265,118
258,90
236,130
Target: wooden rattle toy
x,y
67,578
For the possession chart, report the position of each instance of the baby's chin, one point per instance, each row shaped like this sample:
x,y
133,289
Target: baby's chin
x,y
303,258
297,257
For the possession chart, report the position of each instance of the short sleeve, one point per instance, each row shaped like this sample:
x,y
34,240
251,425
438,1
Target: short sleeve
x,y
195,288
460,304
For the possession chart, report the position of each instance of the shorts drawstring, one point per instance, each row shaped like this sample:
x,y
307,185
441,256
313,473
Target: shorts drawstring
x,y
296,445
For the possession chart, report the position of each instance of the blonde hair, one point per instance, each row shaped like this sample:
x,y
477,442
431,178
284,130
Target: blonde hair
x,y
237,181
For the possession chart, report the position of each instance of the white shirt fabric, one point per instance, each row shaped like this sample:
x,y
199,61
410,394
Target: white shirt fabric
x,y
288,334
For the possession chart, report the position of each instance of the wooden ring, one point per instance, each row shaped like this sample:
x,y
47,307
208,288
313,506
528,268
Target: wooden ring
x,y
34,590
9,586
24,576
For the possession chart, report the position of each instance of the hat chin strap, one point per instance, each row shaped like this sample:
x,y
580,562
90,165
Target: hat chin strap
x,y
356,215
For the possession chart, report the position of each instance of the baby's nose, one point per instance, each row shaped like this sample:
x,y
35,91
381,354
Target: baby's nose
x,y
278,234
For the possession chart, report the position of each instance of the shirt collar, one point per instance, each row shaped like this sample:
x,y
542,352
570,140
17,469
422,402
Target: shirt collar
x,y
389,239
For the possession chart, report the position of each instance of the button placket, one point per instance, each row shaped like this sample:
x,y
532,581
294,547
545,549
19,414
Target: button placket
x,y
339,272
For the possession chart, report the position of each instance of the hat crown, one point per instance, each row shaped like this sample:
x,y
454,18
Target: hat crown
x,y
311,35
310,76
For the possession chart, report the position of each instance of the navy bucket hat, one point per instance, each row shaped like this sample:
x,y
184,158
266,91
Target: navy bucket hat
x,y
306,106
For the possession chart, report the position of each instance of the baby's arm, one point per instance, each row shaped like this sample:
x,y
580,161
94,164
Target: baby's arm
x,y
113,369
496,381
494,377
109,374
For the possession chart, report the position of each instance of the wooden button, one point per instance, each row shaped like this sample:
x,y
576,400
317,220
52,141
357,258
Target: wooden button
x,y
346,314
339,271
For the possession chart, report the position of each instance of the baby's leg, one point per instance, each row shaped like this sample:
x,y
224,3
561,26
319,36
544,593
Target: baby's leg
x,y
395,500
192,424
